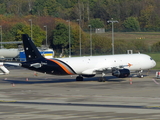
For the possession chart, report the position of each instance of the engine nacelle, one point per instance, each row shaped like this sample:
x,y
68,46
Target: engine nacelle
x,y
121,73
92,75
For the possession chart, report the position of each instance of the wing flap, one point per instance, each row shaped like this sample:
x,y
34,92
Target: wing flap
x,y
96,70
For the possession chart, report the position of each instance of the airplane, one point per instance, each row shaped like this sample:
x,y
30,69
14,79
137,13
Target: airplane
x,y
119,65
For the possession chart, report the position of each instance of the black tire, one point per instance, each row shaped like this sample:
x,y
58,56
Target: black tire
x,y
79,78
100,80
103,80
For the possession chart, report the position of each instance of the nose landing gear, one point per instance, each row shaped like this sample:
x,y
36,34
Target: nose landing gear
x,y
139,74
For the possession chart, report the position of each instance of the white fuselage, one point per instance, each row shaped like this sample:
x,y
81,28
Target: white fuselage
x,y
87,65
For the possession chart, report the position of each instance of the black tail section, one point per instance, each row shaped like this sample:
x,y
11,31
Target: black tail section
x,y
31,50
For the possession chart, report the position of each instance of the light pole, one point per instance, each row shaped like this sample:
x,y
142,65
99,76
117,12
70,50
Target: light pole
x,y
69,36
79,36
31,26
90,39
46,35
112,21
1,36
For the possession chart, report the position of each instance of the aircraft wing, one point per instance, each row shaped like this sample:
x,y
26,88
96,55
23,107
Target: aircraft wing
x,y
105,69
97,70
111,68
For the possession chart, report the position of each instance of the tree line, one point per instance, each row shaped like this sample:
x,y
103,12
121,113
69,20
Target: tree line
x,y
58,33
133,15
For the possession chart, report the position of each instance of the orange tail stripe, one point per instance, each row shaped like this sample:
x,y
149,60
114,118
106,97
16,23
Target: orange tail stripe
x,y
63,67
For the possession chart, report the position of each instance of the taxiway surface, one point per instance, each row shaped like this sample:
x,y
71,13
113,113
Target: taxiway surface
x,y
25,96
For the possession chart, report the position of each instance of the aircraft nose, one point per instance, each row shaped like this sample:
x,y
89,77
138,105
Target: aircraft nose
x,y
154,63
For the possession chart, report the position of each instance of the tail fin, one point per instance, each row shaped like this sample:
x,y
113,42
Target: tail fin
x,y
31,50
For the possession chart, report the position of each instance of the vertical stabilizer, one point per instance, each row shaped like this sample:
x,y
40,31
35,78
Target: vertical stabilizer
x,y
30,49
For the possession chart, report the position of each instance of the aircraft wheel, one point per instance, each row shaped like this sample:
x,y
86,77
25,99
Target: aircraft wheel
x,y
101,80
79,78
141,76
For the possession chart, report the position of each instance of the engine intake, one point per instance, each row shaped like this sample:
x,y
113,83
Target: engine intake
x,y
121,73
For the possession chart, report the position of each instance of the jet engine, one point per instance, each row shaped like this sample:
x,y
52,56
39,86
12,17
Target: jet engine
x,y
92,75
121,73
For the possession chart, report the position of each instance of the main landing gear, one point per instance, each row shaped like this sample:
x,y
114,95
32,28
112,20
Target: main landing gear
x,y
79,78
102,79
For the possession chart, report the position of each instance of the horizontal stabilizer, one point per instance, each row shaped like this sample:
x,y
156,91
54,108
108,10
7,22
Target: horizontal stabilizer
x,y
36,65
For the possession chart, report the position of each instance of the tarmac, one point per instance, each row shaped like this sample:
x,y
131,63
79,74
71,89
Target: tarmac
x,y
26,95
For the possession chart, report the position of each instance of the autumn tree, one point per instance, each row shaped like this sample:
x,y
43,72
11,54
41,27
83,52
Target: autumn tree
x,y
15,34
131,24
96,23
46,7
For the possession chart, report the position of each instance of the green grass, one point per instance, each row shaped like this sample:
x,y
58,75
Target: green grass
x,y
148,37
